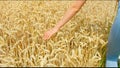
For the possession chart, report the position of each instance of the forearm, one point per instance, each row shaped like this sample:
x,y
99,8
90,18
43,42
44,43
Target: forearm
x,y
70,13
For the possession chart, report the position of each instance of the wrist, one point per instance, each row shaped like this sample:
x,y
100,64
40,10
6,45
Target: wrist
x,y
56,28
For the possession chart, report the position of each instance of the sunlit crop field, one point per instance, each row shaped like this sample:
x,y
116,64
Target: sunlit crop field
x,y
81,42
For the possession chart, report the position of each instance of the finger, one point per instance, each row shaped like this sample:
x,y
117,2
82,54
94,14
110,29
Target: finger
x,y
48,37
45,36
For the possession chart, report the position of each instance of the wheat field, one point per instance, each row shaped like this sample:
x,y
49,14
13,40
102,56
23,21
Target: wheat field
x,y
80,43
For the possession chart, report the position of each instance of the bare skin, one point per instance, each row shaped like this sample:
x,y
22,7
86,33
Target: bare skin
x,y
75,7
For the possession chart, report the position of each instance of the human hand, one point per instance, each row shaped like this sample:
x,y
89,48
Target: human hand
x,y
49,33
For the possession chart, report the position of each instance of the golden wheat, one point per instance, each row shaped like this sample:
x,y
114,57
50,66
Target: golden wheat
x,y
78,43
